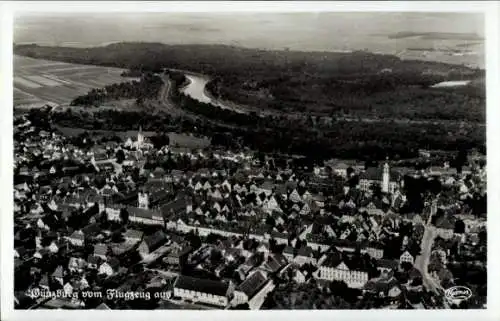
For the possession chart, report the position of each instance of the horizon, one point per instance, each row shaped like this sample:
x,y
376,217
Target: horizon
x,y
305,31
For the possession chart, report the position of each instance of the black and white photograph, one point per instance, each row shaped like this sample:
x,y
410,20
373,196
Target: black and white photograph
x,y
248,160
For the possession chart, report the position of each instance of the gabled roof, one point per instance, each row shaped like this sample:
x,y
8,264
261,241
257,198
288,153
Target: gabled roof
x,y
101,249
92,259
77,235
218,288
306,251
253,284
59,272
103,306
154,240
113,263
133,234
142,212
445,222
389,264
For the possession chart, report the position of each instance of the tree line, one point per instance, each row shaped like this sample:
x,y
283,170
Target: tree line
x,y
147,88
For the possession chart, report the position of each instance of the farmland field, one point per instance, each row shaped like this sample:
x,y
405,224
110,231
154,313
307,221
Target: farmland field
x,y
38,82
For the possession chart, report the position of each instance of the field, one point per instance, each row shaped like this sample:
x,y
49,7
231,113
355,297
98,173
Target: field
x,y
38,82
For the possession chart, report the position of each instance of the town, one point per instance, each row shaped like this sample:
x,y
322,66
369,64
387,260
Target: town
x,y
126,225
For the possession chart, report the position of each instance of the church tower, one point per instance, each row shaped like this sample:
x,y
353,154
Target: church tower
x,y
140,137
143,200
385,178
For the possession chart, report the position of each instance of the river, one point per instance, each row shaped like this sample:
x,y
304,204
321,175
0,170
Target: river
x,y
196,89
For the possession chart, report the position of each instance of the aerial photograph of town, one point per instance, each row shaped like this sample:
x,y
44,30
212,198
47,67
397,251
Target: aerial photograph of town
x,y
249,161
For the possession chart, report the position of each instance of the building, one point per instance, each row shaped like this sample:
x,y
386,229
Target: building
x,y
406,257
133,236
445,227
335,268
177,256
109,267
143,200
145,216
76,238
385,177
76,264
305,255
59,274
197,290
251,290
101,251
151,243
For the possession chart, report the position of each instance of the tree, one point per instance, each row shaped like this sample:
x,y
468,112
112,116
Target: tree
x,y
120,156
459,227
117,237
124,216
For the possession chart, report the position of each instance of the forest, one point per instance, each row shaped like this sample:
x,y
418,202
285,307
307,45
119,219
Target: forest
x,y
350,140
147,88
358,83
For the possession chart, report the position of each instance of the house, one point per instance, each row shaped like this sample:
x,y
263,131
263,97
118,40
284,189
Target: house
x,y
445,227
76,264
251,290
44,282
20,252
151,243
59,274
386,266
68,289
103,306
305,255
77,238
56,246
274,263
178,256
288,252
203,290
299,277
101,251
40,254
406,257
110,267
384,288
93,261
133,236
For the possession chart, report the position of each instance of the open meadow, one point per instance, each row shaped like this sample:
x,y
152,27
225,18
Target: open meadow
x,y
38,82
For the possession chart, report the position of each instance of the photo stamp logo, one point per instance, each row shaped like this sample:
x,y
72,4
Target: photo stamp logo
x,y
458,293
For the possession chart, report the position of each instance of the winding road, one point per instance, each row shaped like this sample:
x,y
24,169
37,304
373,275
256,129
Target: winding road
x,y
422,260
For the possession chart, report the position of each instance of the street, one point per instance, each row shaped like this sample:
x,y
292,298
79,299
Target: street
x,y
422,260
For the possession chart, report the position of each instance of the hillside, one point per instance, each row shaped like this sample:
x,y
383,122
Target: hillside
x,y
358,83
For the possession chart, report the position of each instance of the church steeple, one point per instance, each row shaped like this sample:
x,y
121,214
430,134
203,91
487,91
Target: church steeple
x,y
140,136
386,177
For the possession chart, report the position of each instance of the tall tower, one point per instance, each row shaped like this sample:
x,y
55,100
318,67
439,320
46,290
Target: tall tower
x,y
143,200
140,137
385,178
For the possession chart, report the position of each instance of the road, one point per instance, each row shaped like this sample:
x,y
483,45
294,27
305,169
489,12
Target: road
x,y
422,261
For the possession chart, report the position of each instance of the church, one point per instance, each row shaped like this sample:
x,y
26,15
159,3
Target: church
x,y
140,143
385,177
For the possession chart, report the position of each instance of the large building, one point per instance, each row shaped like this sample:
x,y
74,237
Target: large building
x,y
216,293
388,179
335,268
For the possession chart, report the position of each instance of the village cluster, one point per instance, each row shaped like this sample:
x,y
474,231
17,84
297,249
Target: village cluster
x,y
215,229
